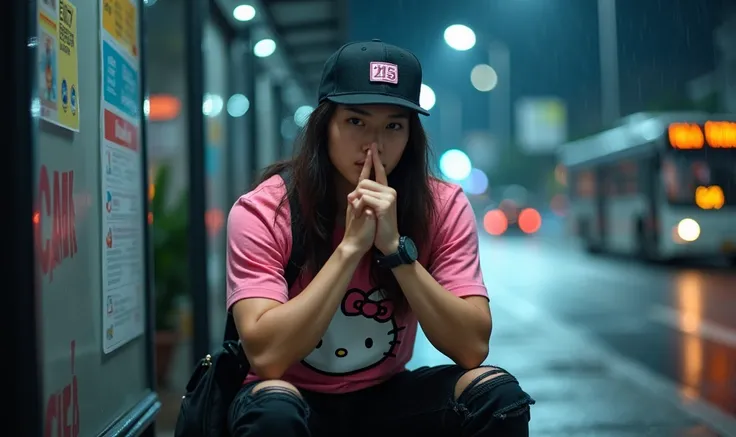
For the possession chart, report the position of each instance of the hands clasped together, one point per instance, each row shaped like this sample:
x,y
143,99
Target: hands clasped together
x,y
371,209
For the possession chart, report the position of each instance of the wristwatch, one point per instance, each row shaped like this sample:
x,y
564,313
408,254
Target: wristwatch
x,y
405,254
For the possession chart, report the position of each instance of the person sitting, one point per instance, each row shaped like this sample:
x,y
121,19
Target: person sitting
x,y
387,247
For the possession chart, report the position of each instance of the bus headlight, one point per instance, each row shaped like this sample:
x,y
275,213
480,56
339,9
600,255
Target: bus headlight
x,y
688,229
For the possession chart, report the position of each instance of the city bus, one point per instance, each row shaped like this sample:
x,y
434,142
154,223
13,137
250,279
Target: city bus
x,y
660,186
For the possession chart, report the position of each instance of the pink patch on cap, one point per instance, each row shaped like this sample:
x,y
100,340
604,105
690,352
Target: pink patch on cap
x,y
384,72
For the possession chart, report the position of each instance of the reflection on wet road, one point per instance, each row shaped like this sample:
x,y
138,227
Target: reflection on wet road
x,y
678,322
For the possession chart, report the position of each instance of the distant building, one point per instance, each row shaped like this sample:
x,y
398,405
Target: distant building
x,y
722,81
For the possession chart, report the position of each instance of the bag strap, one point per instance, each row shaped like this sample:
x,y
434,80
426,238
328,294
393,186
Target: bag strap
x,y
293,266
297,257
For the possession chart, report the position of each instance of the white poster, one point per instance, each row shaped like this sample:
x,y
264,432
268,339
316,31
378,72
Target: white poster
x,y
123,248
541,124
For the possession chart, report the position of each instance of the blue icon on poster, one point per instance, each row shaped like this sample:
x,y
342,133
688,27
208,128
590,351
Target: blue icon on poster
x,y
74,99
64,95
108,204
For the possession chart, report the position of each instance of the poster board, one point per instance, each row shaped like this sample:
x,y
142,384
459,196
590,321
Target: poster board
x,y
122,173
58,78
86,392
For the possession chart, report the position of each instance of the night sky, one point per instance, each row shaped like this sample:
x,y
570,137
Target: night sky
x,y
553,46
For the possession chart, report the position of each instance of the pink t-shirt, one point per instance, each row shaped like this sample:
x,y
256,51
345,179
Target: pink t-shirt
x,y
363,345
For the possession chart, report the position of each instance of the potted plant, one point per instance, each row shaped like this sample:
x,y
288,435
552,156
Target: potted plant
x,y
170,267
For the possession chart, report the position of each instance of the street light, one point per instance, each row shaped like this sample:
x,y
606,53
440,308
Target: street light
x,y
427,98
244,12
496,75
460,37
483,77
455,165
264,48
301,115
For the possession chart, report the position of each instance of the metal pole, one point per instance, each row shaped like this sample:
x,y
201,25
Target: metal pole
x,y
253,130
608,52
196,13
451,121
280,110
499,59
457,132
150,289
21,321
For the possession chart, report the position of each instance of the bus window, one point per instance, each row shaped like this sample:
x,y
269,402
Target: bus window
x,y
683,175
612,181
628,177
585,184
572,184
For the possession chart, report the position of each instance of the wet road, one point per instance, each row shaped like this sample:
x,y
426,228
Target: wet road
x,y
678,322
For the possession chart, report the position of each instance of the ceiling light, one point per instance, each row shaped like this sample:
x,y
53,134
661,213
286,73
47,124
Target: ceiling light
x,y
244,13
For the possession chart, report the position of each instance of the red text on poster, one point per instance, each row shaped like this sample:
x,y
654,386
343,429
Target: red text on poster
x,y
62,408
55,203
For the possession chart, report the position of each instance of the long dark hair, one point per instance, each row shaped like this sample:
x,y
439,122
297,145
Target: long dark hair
x,y
312,181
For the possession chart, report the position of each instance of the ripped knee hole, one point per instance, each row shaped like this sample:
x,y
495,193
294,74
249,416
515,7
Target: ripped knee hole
x,y
476,377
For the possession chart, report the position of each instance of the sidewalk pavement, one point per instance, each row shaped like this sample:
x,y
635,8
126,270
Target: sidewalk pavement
x,y
581,390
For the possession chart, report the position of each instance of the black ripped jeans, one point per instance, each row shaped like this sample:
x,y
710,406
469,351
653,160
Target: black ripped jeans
x,y
413,403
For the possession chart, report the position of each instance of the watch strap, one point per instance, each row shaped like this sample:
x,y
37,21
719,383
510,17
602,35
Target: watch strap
x,y
390,261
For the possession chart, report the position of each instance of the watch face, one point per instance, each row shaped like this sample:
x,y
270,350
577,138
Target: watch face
x,y
411,249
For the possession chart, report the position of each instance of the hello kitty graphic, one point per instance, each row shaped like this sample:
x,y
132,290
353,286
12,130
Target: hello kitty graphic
x,y
362,334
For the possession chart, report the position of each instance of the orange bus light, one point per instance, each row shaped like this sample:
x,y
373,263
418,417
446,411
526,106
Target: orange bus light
x,y
721,134
709,197
685,136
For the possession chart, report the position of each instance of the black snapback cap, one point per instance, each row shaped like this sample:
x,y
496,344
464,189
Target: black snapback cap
x,y
372,73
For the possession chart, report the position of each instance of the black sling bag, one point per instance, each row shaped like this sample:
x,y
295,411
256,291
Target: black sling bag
x,y
218,377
